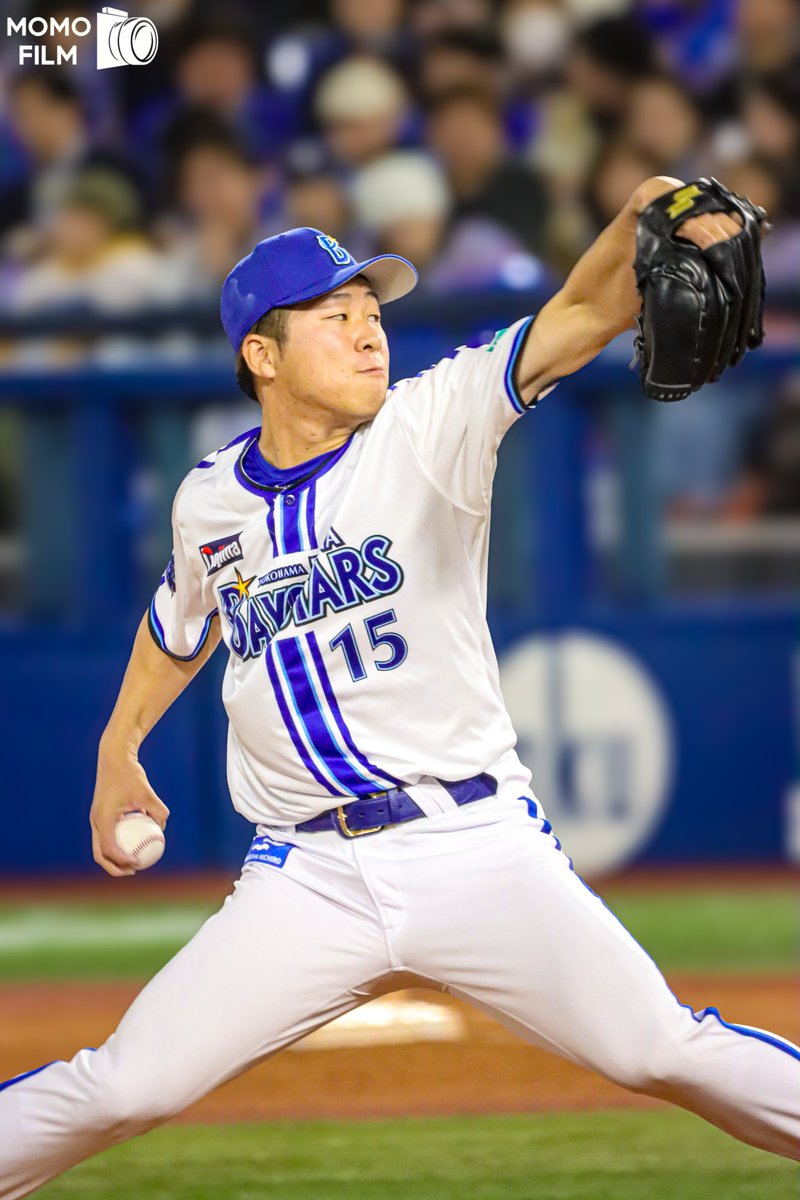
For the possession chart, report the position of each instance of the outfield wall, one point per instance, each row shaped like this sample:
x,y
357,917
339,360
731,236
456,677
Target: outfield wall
x,y
659,728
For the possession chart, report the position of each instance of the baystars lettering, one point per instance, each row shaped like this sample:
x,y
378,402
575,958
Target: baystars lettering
x,y
342,579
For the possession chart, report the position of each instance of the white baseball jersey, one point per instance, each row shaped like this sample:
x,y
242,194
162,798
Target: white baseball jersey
x,y
353,603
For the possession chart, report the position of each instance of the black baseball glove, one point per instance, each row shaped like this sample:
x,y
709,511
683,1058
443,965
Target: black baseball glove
x,y
701,309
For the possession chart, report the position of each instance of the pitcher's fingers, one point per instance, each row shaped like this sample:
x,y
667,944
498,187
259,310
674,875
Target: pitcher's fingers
x,y
101,860
726,226
155,807
104,831
709,229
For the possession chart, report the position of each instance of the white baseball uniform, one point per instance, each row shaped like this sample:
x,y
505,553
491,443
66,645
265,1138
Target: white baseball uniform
x,y
352,602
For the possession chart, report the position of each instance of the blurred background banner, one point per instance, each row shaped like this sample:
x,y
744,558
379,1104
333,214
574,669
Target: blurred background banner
x,y
645,559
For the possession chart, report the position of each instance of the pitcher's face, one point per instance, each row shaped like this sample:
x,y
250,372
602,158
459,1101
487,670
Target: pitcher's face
x,y
336,356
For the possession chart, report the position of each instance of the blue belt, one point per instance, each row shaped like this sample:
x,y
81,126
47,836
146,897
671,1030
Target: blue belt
x,y
373,813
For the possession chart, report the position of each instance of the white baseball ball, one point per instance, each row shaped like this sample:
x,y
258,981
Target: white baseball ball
x,y
140,836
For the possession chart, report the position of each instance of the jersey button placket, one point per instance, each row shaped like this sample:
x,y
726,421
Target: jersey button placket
x,y
290,498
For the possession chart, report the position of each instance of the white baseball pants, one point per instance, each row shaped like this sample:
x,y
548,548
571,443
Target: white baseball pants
x,y
479,900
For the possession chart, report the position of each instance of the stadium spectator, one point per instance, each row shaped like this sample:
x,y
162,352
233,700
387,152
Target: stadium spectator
x,y
766,43
768,35
696,42
770,131
771,116
662,123
137,89
764,183
314,196
606,58
363,108
96,257
375,28
580,87
616,173
431,17
461,58
301,54
404,202
218,69
465,131
564,140
535,35
219,190
769,483
578,104
473,59
99,91
47,119
589,200
699,448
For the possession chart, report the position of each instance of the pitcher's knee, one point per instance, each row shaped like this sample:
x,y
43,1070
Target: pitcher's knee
x,y
656,1066
131,1108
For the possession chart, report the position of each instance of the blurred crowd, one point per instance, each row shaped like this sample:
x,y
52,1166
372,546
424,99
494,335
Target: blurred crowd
x,y
487,141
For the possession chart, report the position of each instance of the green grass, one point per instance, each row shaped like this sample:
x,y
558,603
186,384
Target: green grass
x,y
666,1155
698,930
715,930
91,942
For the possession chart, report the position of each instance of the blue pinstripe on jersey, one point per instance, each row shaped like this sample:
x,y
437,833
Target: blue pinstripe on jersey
x,y
303,750
309,513
290,526
330,698
271,524
332,755
290,520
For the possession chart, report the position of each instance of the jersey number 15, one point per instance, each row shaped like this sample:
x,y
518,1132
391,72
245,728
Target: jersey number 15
x,y
378,639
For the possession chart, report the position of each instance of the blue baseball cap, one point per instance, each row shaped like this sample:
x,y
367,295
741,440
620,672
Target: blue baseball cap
x,y
299,265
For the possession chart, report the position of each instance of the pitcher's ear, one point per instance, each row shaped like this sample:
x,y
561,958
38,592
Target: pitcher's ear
x,y
261,355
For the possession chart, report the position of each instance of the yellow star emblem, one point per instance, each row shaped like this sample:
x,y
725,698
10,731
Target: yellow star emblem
x,y
243,585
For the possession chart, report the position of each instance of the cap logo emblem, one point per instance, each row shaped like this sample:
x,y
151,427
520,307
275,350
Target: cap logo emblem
x,y
338,253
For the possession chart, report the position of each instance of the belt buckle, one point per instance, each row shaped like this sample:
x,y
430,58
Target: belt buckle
x,y
353,833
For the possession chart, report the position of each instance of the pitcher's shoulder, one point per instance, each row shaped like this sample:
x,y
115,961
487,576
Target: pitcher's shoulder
x,y
221,461
212,482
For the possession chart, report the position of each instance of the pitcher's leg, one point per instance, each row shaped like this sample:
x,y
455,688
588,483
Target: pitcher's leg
x,y
278,960
524,938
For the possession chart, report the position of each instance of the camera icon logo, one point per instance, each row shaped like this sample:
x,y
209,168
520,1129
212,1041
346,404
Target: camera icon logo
x,y
123,40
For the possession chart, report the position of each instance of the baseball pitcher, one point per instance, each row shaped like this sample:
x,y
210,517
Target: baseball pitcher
x,y
339,550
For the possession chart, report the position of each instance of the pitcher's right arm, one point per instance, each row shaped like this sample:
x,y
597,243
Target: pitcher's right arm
x,y
153,679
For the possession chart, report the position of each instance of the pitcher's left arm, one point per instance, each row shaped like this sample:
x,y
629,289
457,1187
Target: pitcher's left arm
x,y
600,299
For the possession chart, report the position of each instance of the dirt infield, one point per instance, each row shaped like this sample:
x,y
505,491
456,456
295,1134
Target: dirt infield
x,y
488,1071
213,886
